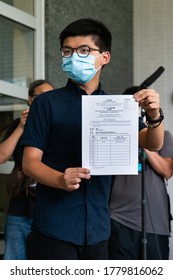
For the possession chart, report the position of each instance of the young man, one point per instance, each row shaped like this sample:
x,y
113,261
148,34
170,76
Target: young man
x,y
72,219
21,207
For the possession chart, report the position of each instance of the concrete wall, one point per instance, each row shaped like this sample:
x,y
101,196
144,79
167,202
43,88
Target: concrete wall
x,y
116,14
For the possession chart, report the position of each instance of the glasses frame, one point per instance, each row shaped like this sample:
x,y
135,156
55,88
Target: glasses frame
x,y
76,49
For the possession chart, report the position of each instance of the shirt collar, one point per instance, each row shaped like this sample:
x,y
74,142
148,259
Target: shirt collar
x,y
79,91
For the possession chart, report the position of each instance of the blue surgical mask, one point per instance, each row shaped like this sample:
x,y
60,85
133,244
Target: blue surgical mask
x,y
80,69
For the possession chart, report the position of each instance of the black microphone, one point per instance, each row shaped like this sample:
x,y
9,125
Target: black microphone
x,y
151,79
145,84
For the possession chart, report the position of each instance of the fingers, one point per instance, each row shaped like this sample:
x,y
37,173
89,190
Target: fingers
x,y
147,96
149,100
73,177
23,117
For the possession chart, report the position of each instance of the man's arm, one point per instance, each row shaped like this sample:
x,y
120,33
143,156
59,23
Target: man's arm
x,y
162,165
8,146
40,172
150,138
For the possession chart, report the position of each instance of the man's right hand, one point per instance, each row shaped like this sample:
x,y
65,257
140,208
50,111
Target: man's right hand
x,y
73,176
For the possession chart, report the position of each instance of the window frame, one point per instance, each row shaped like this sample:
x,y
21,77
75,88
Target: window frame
x,y
37,23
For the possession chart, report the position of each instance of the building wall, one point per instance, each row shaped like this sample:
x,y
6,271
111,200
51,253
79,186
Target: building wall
x,y
116,15
153,41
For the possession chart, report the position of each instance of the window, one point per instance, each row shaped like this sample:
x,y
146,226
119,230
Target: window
x,y
21,46
24,5
21,54
16,52
21,61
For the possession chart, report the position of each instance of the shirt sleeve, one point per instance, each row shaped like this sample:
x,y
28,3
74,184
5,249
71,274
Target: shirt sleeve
x,y
167,148
37,127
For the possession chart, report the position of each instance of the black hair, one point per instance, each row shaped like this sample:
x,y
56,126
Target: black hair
x,y
36,84
84,27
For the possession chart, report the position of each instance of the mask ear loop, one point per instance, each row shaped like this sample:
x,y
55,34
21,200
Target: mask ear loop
x,y
100,65
98,68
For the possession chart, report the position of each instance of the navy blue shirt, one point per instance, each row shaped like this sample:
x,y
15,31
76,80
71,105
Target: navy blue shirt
x,y
54,126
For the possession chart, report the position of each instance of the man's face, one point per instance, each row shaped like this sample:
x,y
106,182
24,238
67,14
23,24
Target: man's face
x,y
77,41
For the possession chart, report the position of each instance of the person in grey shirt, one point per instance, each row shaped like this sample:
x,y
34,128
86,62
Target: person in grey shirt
x,y
125,208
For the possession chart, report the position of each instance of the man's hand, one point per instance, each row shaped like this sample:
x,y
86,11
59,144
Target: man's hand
x,y
73,177
23,118
149,100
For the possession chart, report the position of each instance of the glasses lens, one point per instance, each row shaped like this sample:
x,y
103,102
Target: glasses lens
x,y
66,52
83,51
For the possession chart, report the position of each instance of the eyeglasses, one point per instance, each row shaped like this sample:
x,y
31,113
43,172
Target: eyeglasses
x,y
82,51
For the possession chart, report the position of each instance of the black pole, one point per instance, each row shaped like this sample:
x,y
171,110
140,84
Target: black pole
x,y
145,84
143,209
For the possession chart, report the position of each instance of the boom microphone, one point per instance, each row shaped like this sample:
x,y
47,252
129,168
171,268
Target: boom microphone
x,y
145,84
151,79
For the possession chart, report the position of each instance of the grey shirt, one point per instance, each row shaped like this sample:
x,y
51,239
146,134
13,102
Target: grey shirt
x,y
125,201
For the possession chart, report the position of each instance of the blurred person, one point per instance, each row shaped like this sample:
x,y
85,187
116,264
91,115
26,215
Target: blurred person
x,y
21,205
72,219
125,241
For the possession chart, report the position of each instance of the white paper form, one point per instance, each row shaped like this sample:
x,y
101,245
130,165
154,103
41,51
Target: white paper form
x,y
110,134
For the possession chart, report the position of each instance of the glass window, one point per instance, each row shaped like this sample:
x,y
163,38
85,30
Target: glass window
x,y
24,5
16,52
21,61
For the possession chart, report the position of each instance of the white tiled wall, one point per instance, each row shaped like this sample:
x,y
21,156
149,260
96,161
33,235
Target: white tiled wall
x,y
153,47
